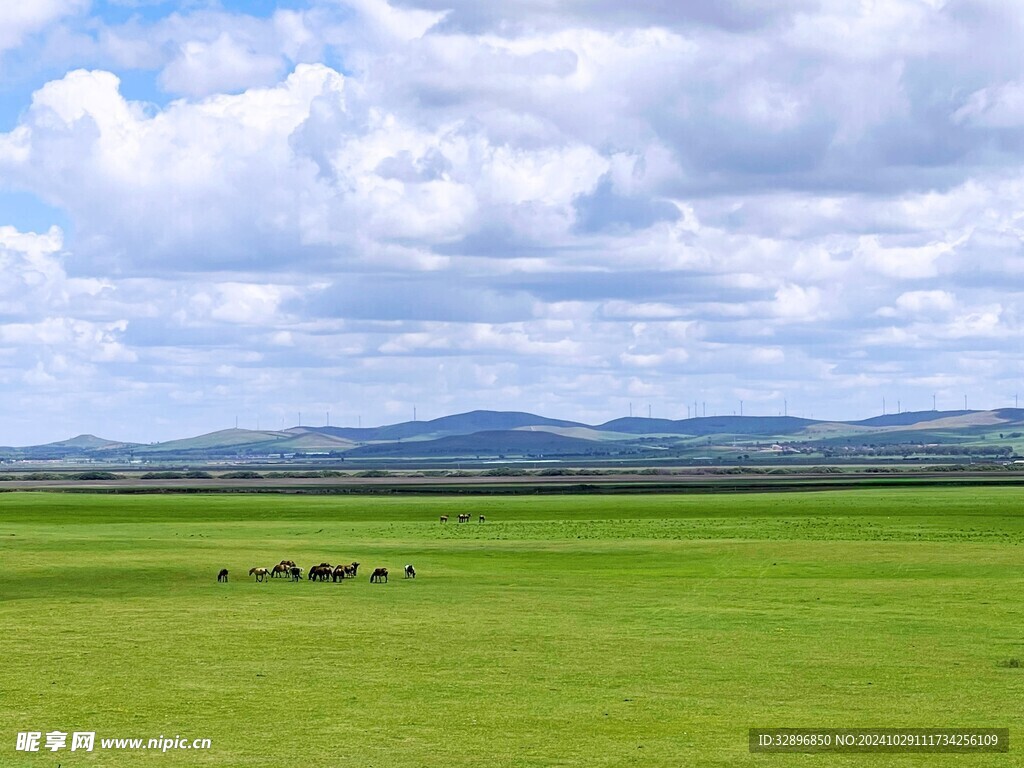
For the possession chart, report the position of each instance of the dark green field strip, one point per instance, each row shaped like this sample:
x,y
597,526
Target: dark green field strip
x,y
939,502
684,484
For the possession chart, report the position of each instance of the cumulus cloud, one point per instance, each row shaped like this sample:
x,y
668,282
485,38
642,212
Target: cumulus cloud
x,y
532,205
34,274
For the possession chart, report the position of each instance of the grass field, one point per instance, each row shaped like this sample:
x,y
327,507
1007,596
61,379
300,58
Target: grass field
x,y
566,631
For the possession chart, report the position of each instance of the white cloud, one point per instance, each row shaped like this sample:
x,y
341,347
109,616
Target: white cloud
x,y
904,262
555,208
925,302
999,106
20,18
34,276
221,65
402,25
796,302
92,342
249,304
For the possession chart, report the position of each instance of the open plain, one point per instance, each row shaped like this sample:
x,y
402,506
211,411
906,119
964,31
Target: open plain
x,y
579,630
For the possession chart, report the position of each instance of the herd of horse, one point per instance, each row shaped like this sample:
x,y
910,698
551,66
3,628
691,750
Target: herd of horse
x,y
327,572
323,572
463,518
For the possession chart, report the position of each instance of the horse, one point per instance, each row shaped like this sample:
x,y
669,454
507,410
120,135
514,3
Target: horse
x,y
296,573
378,575
338,574
279,570
354,568
410,572
444,518
482,519
464,518
259,573
223,575
320,572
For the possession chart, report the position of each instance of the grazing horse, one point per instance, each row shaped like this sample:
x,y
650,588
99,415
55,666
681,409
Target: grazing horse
x,y
296,573
279,570
379,575
320,572
338,574
223,575
410,572
444,518
483,519
259,573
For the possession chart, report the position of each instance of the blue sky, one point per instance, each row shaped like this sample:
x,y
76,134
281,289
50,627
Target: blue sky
x,y
252,209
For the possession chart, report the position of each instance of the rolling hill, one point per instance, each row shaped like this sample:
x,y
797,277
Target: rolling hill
x,y
710,425
493,444
515,433
458,424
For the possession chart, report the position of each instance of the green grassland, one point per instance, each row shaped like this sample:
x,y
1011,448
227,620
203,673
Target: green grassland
x,y
565,631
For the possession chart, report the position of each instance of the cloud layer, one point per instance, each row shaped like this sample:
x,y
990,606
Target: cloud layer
x,y
564,208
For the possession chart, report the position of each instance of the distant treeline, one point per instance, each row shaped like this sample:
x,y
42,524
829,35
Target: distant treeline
x,y
518,472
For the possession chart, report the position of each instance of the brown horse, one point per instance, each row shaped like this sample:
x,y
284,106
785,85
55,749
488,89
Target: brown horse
x,y
338,574
379,575
279,571
259,573
320,572
223,575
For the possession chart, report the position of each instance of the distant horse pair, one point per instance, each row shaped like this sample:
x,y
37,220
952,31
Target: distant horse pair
x,y
320,572
342,572
282,569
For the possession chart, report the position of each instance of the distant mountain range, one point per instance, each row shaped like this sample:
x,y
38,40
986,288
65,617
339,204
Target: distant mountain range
x,y
516,435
